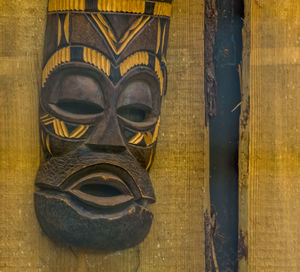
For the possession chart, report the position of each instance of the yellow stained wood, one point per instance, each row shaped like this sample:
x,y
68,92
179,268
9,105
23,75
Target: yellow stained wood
x,y
270,137
179,173
180,170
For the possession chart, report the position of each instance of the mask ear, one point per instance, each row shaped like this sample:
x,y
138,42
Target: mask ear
x,y
165,74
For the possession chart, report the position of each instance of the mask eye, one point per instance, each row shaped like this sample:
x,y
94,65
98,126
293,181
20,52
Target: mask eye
x,y
79,107
77,99
134,113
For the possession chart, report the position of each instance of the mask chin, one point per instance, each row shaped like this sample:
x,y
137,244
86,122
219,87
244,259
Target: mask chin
x,y
66,220
94,200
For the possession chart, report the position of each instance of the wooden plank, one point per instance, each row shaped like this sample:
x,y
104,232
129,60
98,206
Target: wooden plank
x,y
270,126
180,171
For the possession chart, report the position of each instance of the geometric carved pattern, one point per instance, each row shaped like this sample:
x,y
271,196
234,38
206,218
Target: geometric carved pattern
x,y
134,6
162,9
119,46
159,73
96,59
138,58
148,138
66,22
64,56
58,5
61,129
61,56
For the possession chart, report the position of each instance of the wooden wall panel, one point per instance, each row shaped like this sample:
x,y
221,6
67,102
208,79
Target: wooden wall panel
x,y
180,171
270,137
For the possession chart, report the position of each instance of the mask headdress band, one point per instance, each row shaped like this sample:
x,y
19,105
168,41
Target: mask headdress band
x,y
134,6
162,9
122,6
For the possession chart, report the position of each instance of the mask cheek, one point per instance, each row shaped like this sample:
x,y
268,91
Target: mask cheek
x,y
56,146
144,155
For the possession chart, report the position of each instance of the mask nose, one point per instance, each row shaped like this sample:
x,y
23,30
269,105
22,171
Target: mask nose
x,y
106,136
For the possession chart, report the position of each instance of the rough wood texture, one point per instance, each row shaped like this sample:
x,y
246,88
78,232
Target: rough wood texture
x,y
179,173
270,126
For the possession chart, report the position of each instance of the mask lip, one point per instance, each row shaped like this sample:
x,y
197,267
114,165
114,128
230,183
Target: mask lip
x,y
60,172
101,189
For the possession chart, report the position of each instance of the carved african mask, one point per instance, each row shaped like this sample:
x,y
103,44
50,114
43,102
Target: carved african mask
x,y
104,77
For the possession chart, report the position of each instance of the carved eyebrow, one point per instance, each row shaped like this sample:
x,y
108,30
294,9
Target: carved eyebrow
x,y
142,58
139,58
88,55
61,56
95,58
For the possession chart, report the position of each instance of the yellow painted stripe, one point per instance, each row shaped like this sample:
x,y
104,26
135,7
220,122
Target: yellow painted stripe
x,y
139,58
163,39
46,123
132,6
104,27
148,138
162,9
135,138
66,27
79,135
42,138
159,74
58,31
55,127
97,59
128,36
77,131
155,133
150,159
63,5
133,33
61,56
48,144
158,37
45,116
136,24
59,128
64,129
48,120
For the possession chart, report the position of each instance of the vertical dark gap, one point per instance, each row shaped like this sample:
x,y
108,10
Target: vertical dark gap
x,y
224,132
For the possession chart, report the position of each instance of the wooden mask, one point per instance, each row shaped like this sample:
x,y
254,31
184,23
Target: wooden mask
x,y
104,77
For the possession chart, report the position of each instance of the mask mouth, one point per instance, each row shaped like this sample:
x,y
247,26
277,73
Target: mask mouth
x,y
105,187
102,190
93,200
70,221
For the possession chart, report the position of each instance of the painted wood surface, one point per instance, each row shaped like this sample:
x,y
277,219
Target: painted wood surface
x,y
270,138
179,174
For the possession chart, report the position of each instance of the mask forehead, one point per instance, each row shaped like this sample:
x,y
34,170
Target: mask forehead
x,y
112,42
116,35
